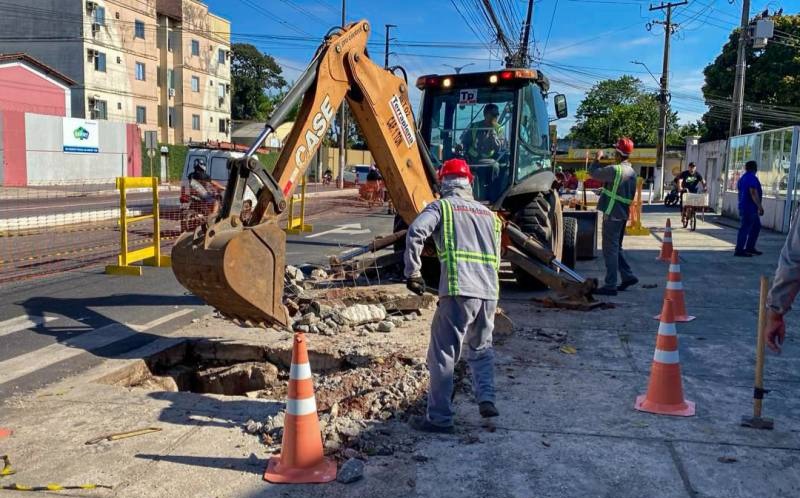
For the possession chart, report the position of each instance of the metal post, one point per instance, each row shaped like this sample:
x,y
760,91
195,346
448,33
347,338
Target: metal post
x,y
526,35
386,46
156,225
123,222
342,121
661,147
741,67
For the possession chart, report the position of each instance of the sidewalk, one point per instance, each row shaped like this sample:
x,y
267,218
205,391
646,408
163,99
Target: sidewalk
x,y
567,425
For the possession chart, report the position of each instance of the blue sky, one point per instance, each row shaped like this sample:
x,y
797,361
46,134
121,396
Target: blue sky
x,y
588,40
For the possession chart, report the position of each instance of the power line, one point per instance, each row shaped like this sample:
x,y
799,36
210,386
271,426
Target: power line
x,y
550,28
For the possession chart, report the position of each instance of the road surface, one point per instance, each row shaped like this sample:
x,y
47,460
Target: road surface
x,y
57,326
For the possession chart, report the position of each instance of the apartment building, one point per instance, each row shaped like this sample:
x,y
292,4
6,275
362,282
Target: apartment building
x,y
163,64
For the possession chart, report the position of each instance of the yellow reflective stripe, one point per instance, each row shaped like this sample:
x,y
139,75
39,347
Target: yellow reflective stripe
x,y
612,194
476,257
449,248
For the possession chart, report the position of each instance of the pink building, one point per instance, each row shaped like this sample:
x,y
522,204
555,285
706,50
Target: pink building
x,y
30,91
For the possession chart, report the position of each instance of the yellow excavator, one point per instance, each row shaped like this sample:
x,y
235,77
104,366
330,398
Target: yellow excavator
x,y
238,268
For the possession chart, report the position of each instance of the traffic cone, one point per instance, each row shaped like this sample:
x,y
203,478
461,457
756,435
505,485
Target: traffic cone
x,y
665,390
674,291
666,244
301,459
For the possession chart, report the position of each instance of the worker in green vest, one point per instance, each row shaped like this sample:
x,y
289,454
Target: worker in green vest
x,y
483,139
619,188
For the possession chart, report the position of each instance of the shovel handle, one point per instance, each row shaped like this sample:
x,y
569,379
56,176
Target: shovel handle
x,y
762,320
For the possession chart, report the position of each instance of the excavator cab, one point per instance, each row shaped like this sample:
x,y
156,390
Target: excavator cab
x,y
497,121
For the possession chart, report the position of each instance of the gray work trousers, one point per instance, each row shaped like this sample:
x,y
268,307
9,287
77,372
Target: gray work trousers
x,y
456,319
613,233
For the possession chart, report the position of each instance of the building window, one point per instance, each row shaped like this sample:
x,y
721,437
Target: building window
x,y
195,84
140,73
221,56
99,109
195,121
138,29
100,15
170,40
222,127
171,79
195,48
221,91
171,117
141,114
100,62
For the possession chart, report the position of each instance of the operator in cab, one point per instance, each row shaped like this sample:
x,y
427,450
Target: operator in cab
x,y
619,189
483,139
467,238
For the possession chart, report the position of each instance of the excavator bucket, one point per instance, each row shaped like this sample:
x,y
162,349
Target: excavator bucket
x,y
237,270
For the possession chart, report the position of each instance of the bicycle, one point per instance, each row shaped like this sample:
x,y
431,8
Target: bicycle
x,y
691,204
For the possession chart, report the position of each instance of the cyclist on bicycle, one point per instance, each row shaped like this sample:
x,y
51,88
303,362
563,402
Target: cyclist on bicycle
x,y
690,181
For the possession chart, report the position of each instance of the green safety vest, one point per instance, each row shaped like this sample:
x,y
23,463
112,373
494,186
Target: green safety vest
x,y
451,256
473,148
613,196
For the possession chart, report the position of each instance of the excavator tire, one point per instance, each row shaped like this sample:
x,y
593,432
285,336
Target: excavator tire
x,y
542,219
431,268
569,253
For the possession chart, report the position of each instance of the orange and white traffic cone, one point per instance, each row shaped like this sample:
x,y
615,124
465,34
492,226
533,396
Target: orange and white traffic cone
x,y
674,291
665,390
301,459
666,244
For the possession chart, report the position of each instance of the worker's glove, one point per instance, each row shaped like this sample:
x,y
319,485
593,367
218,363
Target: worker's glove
x,y
416,285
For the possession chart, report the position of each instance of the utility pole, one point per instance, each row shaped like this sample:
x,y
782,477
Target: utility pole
x,y
526,36
661,147
342,123
386,46
741,66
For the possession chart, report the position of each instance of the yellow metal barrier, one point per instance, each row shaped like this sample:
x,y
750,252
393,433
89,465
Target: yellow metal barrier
x,y
296,225
151,255
635,213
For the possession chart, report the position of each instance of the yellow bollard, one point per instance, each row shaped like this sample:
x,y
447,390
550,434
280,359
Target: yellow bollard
x,y
297,225
151,255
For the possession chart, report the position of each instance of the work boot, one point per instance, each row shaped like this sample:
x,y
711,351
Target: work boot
x,y
753,252
421,423
742,254
487,409
606,291
627,283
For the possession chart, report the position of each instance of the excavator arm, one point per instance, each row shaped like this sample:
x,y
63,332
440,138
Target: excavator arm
x,y
239,269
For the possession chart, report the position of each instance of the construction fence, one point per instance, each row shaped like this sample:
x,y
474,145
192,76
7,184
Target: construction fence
x,y
52,228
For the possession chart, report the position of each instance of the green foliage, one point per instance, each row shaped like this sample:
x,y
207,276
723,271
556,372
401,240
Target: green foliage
x,y
252,74
677,136
616,108
177,156
772,79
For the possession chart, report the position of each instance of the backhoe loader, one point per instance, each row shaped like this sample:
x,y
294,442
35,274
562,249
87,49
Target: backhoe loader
x,y
239,268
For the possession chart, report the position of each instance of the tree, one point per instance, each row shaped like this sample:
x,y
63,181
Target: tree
x,y
616,108
252,75
677,136
772,83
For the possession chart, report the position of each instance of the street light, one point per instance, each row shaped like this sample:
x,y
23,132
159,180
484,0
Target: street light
x,y
648,70
459,68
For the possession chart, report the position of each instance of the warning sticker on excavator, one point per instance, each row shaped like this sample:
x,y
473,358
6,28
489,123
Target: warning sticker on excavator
x,y
404,124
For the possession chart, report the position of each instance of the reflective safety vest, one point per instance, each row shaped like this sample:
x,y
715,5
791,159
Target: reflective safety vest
x,y
613,195
473,147
469,249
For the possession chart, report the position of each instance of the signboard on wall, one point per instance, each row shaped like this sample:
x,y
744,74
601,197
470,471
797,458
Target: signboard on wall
x,y
81,136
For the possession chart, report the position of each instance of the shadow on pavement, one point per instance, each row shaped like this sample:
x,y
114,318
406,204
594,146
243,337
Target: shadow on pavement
x,y
252,465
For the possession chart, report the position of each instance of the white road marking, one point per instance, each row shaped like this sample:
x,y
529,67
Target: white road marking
x,y
23,322
39,359
350,229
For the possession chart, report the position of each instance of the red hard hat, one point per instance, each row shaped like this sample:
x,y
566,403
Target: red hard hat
x,y
624,146
455,167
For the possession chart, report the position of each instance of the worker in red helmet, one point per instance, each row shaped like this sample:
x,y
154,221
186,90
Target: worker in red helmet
x,y
467,238
619,188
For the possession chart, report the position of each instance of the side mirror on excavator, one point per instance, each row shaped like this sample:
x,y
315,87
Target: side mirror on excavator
x,y
560,102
